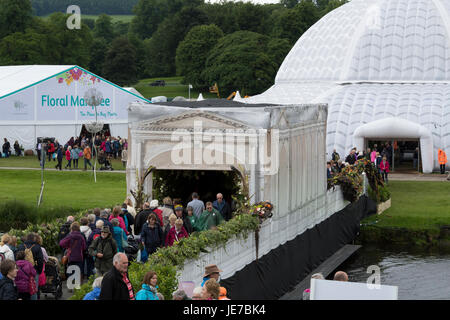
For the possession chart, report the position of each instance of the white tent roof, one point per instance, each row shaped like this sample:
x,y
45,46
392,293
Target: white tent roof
x,y
14,78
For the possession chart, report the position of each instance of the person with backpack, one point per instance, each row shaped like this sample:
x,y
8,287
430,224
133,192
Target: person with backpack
x,y
5,250
25,277
33,254
64,230
75,243
103,249
8,289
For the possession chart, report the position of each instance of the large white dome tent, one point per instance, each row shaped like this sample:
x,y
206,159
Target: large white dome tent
x,y
371,60
48,101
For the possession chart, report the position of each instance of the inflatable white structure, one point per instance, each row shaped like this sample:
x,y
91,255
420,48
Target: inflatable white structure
x,y
371,60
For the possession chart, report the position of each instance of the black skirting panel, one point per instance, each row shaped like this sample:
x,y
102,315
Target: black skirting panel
x,y
280,270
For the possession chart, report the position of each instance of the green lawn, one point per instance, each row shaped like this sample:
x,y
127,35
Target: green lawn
x,y
63,189
416,205
172,89
33,162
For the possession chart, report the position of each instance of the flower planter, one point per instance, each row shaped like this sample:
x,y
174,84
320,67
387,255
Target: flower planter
x,y
383,206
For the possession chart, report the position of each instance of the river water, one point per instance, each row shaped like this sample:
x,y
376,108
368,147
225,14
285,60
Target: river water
x,y
420,274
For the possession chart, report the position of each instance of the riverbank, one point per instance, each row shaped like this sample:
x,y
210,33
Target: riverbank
x,y
418,215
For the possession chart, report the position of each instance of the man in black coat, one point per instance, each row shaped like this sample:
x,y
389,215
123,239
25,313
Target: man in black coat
x,y
115,283
186,222
223,207
141,218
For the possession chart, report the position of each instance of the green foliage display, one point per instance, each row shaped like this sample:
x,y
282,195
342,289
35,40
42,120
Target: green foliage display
x,y
351,181
193,51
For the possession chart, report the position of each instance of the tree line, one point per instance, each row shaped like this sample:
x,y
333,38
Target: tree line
x,y
45,7
238,45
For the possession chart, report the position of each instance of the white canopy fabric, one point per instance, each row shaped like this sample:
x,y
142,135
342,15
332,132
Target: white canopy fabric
x,y
371,60
399,128
48,101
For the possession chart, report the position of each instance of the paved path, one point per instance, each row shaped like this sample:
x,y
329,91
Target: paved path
x,y
417,177
52,169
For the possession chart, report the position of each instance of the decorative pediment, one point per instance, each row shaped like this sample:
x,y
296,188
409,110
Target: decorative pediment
x,y
188,120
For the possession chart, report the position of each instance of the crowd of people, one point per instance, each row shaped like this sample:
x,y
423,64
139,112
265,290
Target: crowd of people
x,y
97,245
82,147
380,156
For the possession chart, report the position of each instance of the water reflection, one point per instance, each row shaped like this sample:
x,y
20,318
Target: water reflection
x,y
419,274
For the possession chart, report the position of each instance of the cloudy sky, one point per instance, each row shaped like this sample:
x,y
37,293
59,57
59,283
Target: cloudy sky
x,y
253,1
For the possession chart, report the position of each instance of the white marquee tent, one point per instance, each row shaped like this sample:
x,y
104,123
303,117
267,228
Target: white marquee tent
x,y
371,60
48,101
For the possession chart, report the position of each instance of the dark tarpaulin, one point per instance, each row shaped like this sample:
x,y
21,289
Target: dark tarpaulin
x,y
277,272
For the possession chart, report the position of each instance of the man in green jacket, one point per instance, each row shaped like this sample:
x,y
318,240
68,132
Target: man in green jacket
x,y
210,218
103,249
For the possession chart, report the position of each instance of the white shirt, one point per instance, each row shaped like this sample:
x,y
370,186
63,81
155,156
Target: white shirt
x,y
7,251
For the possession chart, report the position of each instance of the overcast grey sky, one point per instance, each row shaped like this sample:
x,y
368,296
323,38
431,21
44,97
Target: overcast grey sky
x,y
253,1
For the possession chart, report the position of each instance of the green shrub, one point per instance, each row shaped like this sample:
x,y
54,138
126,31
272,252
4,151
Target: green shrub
x,y
383,194
17,215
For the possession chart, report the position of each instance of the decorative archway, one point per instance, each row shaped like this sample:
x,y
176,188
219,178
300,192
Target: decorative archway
x,y
398,128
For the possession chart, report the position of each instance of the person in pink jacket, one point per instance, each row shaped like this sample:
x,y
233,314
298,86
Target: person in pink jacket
x,y
176,233
116,214
384,168
373,155
69,158
25,272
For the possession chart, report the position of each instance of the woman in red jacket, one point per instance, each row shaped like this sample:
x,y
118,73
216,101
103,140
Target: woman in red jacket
x,y
69,158
384,168
176,233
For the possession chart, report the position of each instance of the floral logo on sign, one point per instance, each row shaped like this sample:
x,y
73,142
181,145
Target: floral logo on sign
x,y
78,75
19,105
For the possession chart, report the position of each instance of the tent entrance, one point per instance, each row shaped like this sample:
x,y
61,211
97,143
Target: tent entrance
x,y
404,155
105,131
207,183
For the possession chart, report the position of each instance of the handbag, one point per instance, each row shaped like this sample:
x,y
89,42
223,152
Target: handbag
x,y
42,277
32,289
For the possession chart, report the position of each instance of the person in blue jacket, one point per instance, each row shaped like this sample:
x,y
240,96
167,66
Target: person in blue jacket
x,y
95,293
149,289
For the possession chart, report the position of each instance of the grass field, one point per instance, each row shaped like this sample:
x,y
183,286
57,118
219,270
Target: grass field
x,y
63,189
115,18
33,162
416,205
172,89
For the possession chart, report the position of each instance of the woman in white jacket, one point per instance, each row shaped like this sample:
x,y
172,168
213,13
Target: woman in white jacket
x,y
4,248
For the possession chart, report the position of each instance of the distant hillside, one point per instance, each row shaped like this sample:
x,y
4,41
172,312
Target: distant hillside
x,y
45,7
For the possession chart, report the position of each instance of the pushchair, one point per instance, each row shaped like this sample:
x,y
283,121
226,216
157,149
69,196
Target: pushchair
x,y
54,284
106,164
132,249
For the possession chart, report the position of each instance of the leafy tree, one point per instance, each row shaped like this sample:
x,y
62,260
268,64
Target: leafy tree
x,y
294,22
104,27
99,48
44,7
24,48
15,16
331,5
120,62
222,15
250,17
151,13
193,51
240,61
68,46
162,47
